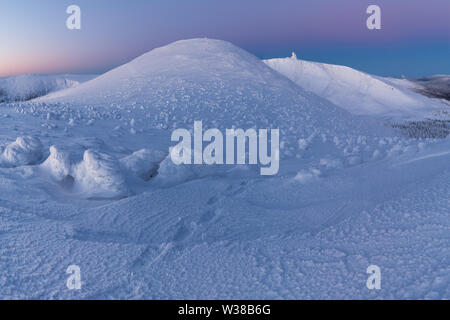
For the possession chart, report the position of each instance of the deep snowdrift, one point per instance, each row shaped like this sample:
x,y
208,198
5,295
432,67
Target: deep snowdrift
x,y
356,91
27,87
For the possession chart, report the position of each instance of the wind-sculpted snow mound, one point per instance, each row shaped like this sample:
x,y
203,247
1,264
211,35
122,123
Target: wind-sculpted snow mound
x,y
57,165
209,80
25,150
355,91
27,87
437,86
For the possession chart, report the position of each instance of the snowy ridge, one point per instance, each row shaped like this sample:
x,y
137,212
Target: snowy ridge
x,y
355,91
437,86
27,87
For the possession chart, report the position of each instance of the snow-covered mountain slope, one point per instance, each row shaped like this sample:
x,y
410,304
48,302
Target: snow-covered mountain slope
x,y
27,87
355,91
85,180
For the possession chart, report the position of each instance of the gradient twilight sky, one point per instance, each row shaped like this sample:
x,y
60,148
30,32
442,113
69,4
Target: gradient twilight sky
x,y
414,39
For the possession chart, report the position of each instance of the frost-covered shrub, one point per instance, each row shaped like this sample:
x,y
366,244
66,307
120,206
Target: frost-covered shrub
x,y
143,164
99,176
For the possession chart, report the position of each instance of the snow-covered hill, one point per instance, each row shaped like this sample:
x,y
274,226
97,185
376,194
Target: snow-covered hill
x,y
85,179
355,91
27,87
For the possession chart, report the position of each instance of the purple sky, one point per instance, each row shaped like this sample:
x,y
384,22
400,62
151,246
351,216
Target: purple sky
x,y
414,39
